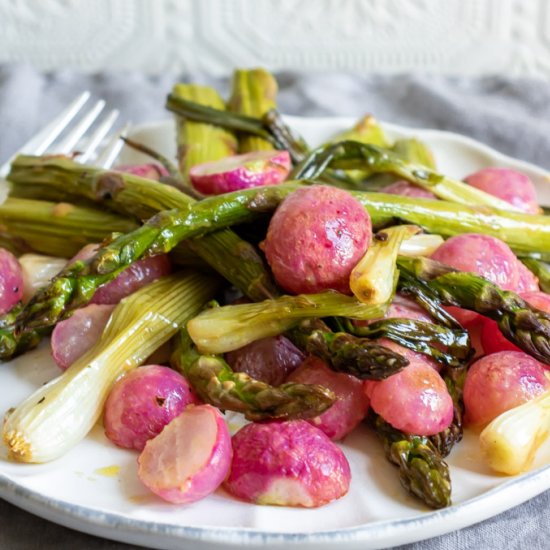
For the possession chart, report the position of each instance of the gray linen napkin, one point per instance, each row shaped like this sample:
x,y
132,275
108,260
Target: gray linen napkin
x,y
512,115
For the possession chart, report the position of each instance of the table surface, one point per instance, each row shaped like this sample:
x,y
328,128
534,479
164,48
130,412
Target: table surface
x,y
512,115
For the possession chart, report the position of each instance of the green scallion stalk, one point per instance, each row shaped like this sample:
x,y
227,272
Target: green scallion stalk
x,y
373,279
227,328
58,415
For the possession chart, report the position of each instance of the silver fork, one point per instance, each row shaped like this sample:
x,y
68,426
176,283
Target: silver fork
x,y
70,129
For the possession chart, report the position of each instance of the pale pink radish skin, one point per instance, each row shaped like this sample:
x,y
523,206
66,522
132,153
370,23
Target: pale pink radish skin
x,y
406,189
351,405
73,337
315,238
409,354
414,400
507,184
500,381
270,360
484,255
287,464
11,281
405,308
190,458
492,338
151,171
241,172
134,277
144,401
528,282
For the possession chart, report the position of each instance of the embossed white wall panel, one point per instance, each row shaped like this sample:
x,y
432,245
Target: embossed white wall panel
x,y
438,36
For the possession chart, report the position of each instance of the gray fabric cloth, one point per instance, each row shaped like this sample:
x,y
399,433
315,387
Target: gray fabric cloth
x,y
512,115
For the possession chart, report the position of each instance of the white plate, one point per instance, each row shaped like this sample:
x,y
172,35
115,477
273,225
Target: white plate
x,y
94,488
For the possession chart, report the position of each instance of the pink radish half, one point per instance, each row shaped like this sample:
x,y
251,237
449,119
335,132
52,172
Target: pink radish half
x,y
352,402
142,402
241,172
190,458
77,334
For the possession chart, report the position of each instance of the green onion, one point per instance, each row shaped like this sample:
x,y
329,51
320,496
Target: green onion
x,y
58,415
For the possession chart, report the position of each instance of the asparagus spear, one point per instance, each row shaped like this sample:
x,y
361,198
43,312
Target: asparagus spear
x,y
11,345
524,233
200,142
130,194
215,382
422,470
449,346
408,149
237,260
522,324
366,130
346,353
125,193
355,155
58,229
253,93
445,440
270,127
162,232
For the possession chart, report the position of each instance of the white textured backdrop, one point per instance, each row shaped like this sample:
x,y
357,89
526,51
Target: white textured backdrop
x,y
439,36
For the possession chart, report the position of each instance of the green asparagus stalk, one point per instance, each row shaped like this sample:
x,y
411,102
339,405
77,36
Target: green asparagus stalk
x,y
346,353
524,233
124,193
541,270
454,379
58,229
162,232
373,279
408,149
59,414
525,326
270,127
231,327
422,470
354,155
366,130
215,383
253,93
238,261
12,345
200,142
76,284
449,346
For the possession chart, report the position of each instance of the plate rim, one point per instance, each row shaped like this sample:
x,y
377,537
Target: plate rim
x,y
371,532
